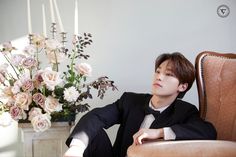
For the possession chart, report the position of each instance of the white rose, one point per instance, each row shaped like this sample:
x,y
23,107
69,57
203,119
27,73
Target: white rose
x,y
17,59
41,122
38,40
56,57
51,78
35,111
15,89
30,49
52,104
2,78
3,68
53,44
84,69
71,94
7,93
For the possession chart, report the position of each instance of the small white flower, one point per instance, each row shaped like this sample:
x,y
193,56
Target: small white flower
x,y
71,94
5,119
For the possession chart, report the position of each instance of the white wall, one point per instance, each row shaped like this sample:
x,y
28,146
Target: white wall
x,y
129,34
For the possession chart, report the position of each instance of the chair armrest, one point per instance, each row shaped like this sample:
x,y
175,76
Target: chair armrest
x,y
199,148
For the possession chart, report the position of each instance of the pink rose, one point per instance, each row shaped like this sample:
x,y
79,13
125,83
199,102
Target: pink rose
x,y
17,113
23,100
28,86
39,99
29,62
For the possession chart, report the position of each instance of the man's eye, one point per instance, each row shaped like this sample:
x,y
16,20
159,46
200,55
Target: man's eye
x,y
169,74
158,72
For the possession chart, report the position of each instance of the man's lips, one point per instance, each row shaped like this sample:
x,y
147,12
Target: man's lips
x,y
157,84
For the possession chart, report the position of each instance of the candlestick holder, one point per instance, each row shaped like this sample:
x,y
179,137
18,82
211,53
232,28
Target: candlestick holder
x,y
53,30
30,36
63,41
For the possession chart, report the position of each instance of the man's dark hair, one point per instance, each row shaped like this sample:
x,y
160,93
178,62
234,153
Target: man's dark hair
x,y
181,67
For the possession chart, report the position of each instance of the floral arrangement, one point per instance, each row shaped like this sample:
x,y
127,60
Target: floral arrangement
x,y
42,95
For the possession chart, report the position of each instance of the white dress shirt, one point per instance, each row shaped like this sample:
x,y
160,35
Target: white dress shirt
x,y
148,119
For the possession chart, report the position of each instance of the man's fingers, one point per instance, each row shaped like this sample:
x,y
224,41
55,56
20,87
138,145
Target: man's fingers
x,y
141,137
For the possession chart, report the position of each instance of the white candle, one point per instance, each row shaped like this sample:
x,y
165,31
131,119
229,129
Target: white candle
x,y
76,18
52,12
44,22
29,17
58,16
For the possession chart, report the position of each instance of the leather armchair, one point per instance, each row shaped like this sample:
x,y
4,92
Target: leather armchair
x,y
216,83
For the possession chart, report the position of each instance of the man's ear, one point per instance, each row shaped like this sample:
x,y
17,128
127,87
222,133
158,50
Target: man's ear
x,y
182,87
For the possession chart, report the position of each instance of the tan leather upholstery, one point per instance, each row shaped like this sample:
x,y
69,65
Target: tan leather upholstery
x,y
216,82
216,78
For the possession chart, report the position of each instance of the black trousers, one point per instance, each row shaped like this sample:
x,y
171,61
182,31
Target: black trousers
x,y
100,146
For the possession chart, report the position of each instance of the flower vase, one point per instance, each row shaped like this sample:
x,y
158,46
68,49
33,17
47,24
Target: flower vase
x,y
9,140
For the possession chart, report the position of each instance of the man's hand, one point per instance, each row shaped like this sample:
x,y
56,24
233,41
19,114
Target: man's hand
x,y
147,134
74,151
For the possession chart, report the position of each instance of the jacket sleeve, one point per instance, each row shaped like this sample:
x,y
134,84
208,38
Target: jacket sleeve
x,y
193,127
96,119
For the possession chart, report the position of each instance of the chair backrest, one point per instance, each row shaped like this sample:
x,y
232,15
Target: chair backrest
x,y
216,83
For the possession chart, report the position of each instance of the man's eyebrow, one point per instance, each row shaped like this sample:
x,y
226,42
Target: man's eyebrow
x,y
170,69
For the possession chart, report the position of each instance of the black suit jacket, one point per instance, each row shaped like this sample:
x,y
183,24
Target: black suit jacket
x,y
129,112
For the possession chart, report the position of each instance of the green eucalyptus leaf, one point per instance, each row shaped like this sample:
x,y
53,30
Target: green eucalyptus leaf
x,y
67,85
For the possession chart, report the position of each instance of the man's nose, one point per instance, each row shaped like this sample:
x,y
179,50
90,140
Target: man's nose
x,y
159,76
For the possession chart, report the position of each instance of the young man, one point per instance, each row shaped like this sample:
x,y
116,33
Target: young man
x,y
162,115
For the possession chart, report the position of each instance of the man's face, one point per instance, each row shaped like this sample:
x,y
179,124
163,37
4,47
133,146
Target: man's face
x,y
165,83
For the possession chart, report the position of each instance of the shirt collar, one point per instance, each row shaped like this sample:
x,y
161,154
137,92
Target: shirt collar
x,y
161,109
